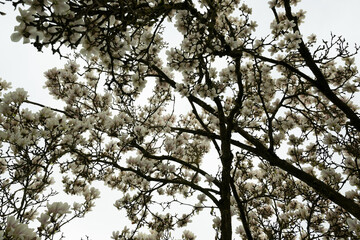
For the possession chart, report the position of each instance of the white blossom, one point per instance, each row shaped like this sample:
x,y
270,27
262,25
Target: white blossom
x,y
60,6
187,235
216,222
354,226
16,230
58,208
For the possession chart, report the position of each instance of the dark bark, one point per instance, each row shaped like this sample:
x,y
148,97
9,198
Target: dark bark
x,y
241,208
226,158
319,186
321,83
224,206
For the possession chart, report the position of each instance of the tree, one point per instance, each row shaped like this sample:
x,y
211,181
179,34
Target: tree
x,y
249,98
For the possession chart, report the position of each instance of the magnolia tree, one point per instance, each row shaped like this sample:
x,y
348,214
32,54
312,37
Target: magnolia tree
x,y
268,144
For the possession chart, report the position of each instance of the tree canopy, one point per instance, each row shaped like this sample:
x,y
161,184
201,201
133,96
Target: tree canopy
x,y
261,133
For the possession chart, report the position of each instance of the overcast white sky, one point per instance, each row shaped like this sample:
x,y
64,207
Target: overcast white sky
x,y
24,67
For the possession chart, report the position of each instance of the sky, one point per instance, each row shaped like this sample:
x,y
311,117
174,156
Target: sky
x,y
23,66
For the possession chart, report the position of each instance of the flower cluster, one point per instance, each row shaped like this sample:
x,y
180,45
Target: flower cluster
x,y
16,230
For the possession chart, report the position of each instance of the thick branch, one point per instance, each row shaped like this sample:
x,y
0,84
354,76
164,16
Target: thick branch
x,y
319,186
321,82
174,159
241,208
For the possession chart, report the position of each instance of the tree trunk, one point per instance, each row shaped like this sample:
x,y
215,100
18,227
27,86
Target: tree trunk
x,y
226,226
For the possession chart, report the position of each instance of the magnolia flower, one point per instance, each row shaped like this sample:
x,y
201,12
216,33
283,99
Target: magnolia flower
x,y
235,43
216,222
26,32
240,230
187,235
58,208
60,6
44,219
169,145
91,193
333,124
140,131
272,3
312,38
115,235
351,194
329,139
354,226
16,36
3,165
4,85
201,197
209,178
76,206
